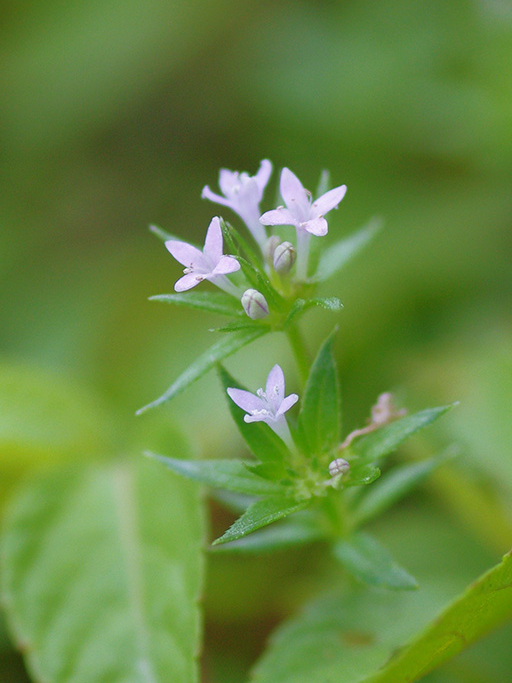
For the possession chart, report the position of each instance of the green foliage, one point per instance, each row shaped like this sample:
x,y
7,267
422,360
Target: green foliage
x,y
320,415
101,572
364,557
211,302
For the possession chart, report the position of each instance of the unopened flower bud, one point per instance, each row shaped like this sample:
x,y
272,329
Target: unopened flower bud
x,y
338,466
254,304
284,257
270,246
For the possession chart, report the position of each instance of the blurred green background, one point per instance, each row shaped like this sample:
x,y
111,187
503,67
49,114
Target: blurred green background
x,y
115,114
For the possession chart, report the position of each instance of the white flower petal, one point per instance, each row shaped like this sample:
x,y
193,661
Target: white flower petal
x,y
185,253
213,242
328,201
279,216
295,196
188,281
316,226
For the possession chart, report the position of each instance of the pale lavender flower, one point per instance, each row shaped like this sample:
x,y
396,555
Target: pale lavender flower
x,y
300,210
267,406
243,193
306,215
209,264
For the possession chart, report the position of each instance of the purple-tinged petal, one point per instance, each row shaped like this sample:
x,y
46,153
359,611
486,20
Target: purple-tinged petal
x,y
279,216
275,386
316,226
188,281
228,181
245,400
327,201
265,417
213,242
213,197
287,403
226,265
185,253
263,175
294,194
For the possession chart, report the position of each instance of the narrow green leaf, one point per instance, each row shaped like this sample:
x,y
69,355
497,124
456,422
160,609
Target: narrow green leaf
x,y
213,302
262,441
277,537
300,306
387,439
262,284
261,513
223,348
101,575
225,474
320,415
239,244
365,558
335,257
244,324
483,606
393,487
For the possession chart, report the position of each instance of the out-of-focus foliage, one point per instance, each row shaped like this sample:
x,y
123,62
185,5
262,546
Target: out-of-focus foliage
x,y
114,115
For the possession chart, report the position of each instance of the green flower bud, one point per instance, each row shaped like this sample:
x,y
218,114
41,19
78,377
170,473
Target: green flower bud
x,y
284,257
254,304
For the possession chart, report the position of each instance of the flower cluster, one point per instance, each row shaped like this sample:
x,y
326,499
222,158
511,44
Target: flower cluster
x,y
243,194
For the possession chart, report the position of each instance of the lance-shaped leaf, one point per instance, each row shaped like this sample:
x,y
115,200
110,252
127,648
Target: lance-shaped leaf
x,y
386,439
262,441
223,348
101,575
320,415
300,306
280,536
394,486
365,558
484,605
213,302
261,513
335,257
239,245
232,475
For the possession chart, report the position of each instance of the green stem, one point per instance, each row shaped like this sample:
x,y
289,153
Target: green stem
x,y
300,351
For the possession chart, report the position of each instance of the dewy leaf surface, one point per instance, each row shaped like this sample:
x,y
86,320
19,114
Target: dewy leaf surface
x,y
221,349
101,573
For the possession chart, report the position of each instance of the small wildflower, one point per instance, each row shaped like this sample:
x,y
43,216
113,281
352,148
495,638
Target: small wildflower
x,y
209,264
267,406
300,210
254,304
242,194
284,257
383,412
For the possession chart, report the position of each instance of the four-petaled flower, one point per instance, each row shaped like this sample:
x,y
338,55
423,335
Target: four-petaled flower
x,y
242,194
209,264
300,210
267,406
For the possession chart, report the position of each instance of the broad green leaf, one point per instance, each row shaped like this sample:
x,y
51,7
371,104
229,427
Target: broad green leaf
x,y
101,574
221,349
365,558
286,534
46,420
320,415
300,306
393,487
262,441
486,604
213,302
261,513
225,474
385,440
341,637
335,257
